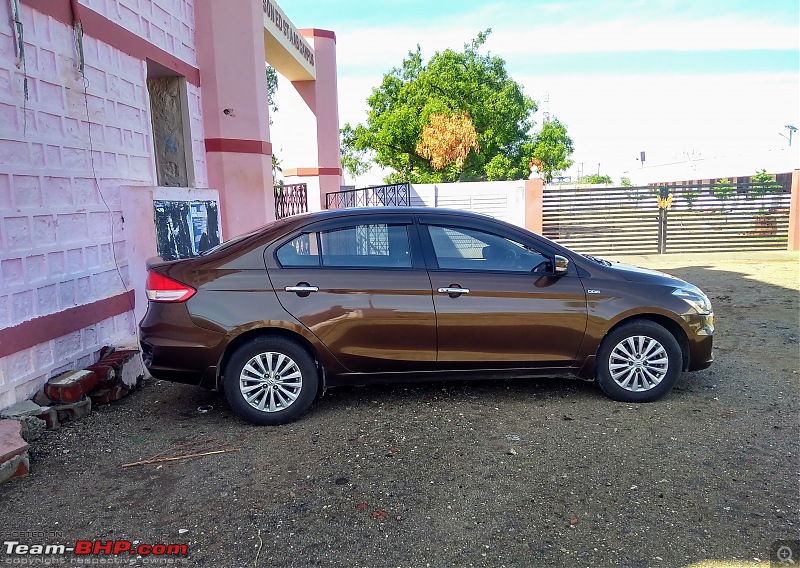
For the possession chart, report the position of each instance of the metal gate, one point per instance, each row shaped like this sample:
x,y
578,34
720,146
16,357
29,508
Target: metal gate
x,y
669,218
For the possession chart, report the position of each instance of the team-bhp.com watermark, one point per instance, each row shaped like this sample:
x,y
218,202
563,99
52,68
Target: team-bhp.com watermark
x,y
26,549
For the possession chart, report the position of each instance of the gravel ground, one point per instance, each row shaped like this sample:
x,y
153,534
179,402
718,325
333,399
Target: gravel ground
x,y
482,473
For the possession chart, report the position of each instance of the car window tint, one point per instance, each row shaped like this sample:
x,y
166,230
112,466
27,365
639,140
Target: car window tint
x,y
300,251
470,249
364,246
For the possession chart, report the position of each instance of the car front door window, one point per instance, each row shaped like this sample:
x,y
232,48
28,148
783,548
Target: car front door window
x,y
470,249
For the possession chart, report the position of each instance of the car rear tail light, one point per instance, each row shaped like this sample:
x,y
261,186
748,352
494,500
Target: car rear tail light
x,y
162,289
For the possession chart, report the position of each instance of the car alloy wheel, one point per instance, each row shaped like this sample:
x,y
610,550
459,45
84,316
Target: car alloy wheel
x,y
270,380
638,363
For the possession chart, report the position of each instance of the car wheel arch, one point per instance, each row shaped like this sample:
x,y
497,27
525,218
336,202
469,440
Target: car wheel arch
x,y
249,335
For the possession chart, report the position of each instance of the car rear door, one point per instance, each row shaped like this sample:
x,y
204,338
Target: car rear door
x,y
498,303
359,284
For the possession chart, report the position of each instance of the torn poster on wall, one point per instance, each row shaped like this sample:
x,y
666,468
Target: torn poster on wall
x,y
185,228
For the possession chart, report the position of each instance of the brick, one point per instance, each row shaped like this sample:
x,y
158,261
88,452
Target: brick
x,y
13,153
37,155
9,123
27,192
22,306
58,191
5,191
66,294
52,156
46,300
51,95
75,263
85,191
67,346
74,411
92,255
13,272
50,125
83,290
36,268
42,399
5,321
109,395
43,357
18,233
72,228
100,225
47,63
20,364
50,418
71,386
57,263
106,375
15,466
43,229
74,158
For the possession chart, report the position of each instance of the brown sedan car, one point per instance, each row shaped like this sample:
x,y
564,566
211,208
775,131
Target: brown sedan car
x,y
358,296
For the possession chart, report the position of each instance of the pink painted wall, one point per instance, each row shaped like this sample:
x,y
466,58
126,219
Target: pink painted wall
x,y
322,98
63,239
235,110
168,24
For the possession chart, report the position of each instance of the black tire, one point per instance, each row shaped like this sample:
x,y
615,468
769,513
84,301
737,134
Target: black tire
x,y
270,393
651,370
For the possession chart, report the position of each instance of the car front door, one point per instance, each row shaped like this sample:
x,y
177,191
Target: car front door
x,y
498,302
361,287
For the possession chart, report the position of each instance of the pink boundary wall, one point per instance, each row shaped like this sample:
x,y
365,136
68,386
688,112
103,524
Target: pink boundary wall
x,y
76,191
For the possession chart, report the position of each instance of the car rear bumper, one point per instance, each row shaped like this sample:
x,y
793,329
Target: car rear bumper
x,y
179,351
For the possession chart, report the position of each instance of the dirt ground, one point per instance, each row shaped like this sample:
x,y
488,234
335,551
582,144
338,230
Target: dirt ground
x,y
504,473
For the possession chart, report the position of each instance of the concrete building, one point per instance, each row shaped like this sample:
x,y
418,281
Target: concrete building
x,y
128,127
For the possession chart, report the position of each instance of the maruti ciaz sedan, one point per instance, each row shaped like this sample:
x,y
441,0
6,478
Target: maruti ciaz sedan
x,y
356,296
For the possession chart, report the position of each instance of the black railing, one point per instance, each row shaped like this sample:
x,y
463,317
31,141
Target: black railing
x,y
396,195
290,200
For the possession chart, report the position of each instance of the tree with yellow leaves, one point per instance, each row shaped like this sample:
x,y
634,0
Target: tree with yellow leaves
x,y
448,140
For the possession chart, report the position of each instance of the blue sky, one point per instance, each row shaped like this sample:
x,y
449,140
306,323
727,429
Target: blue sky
x,y
676,78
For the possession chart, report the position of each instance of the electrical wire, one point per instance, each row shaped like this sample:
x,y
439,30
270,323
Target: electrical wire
x,y
78,35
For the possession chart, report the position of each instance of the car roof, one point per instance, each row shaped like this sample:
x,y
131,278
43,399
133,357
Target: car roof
x,y
345,212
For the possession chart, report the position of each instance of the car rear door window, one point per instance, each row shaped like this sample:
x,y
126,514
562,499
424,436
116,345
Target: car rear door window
x,y
366,246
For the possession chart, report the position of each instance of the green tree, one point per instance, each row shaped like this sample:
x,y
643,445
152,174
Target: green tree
x,y
353,159
552,149
595,178
763,184
272,88
452,83
626,182
690,195
723,189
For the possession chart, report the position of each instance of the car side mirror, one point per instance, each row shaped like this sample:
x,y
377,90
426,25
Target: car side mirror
x,y
561,264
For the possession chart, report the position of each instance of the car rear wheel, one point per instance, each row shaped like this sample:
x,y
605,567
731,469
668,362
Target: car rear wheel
x,y
270,380
638,362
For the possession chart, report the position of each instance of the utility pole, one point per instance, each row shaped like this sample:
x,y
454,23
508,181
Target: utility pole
x,y
792,129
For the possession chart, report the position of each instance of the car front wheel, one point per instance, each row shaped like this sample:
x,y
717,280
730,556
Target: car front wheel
x,y
270,380
638,362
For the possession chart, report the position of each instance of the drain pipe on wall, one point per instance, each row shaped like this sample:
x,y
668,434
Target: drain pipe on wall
x,y
19,42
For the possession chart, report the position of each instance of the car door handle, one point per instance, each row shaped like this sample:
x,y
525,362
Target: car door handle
x,y
301,289
452,290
